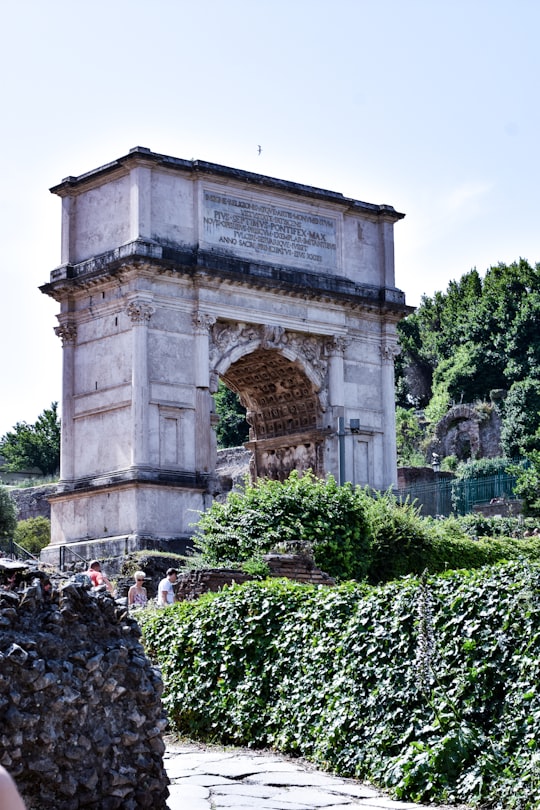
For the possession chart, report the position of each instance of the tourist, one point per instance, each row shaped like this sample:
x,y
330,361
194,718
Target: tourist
x,y
9,795
137,596
97,577
166,592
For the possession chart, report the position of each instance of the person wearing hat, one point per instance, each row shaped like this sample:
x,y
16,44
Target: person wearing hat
x,y
166,594
97,577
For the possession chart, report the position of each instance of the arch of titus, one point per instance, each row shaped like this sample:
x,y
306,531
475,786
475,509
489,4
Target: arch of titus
x,y
177,273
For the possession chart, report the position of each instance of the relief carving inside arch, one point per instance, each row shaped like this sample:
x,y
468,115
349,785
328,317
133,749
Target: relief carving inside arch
x,y
227,337
283,410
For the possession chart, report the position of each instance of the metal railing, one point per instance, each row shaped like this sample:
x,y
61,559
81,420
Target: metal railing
x,y
63,557
14,551
453,496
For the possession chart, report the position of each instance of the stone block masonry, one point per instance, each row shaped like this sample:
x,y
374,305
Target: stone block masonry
x,y
81,718
298,567
176,274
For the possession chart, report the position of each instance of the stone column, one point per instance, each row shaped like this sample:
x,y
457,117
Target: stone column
x,y
205,442
335,349
140,311
386,237
68,226
389,351
67,332
140,219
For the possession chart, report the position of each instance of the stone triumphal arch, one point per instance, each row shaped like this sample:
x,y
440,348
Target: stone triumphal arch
x,y
177,273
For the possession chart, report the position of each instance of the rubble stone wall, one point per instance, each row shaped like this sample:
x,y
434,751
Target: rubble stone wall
x,y
81,718
298,567
33,502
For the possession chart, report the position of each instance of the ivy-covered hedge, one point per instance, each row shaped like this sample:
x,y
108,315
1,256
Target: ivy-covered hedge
x,y
428,688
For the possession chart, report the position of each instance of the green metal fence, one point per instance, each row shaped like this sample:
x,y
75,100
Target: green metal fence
x,y
451,496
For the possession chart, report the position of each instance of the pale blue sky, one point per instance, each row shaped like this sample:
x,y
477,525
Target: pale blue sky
x,y
429,106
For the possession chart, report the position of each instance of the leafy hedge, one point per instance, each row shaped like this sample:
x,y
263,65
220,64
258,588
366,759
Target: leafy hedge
x,y
303,510
427,688
354,533
33,534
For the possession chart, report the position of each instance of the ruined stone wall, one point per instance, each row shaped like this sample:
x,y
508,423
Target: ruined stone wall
x,y
33,502
81,718
298,567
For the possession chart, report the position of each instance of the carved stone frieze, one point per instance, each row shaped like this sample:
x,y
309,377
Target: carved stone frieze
x,y
225,337
278,461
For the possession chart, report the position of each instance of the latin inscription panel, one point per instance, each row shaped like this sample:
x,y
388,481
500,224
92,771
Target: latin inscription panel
x,y
265,232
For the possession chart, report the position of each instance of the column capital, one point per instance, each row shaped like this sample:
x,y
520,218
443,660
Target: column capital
x,y
336,345
140,310
67,332
389,351
202,321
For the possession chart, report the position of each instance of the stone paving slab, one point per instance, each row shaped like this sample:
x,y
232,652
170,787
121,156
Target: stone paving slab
x,y
211,778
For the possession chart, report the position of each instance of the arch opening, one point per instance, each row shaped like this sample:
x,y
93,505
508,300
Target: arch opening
x,y
283,411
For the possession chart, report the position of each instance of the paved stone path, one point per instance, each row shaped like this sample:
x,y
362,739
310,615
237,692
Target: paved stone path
x,y
211,778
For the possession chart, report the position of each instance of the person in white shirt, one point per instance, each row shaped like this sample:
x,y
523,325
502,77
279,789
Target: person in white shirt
x,y
166,594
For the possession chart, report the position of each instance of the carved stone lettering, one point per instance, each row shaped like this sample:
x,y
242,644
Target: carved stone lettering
x,y
267,232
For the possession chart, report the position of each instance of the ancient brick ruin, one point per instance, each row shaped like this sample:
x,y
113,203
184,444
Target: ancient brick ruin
x,y
298,567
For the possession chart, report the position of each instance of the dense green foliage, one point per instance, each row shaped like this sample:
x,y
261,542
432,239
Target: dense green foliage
x,y
8,513
481,335
33,534
408,439
427,688
528,483
302,510
482,468
475,524
232,429
404,543
354,533
522,416
38,445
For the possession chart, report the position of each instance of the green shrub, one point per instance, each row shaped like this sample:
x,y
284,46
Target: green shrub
x,y
354,533
8,513
403,542
400,537
33,534
427,688
528,483
301,510
482,468
475,524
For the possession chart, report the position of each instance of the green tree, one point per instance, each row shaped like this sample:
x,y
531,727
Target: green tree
x,y
232,429
38,445
409,439
33,534
521,418
8,513
481,334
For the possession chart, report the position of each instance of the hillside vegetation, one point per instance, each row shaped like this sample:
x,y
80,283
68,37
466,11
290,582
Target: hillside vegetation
x,y
481,335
